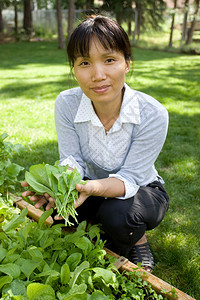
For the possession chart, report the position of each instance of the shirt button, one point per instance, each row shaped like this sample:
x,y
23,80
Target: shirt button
x,y
131,233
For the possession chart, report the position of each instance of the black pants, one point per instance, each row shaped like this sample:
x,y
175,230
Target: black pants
x,y
125,221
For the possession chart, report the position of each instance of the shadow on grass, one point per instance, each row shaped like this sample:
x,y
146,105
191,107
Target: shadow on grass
x,y
43,52
22,53
39,90
37,154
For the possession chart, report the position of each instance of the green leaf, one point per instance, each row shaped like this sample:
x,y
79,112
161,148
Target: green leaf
x,y
40,174
2,253
94,231
65,274
16,221
35,253
83,266
106,276
28,266
44,216
78,292
19,149
10,269
36,185
3,136
5,280
84,244
17,287
13,170
39,291
28,229
98,295
73,260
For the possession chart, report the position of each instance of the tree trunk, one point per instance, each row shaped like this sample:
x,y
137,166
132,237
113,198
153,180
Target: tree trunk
x,y
139,24
172,26
191,30
184,27
129,27
139,18
1,19
16,17
28,25
61,40
71,13
89,4
135,30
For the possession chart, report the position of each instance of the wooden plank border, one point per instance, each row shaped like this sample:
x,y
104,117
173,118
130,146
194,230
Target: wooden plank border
x,y
123,264
157,284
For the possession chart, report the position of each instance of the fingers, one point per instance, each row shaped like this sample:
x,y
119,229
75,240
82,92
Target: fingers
x,y
58,218
80,187
24,184
27,193
50,204
41,202
78,202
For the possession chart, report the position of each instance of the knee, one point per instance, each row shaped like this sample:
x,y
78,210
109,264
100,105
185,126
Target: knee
x,y
111,215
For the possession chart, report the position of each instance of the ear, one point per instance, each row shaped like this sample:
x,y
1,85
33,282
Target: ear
x,y
128,65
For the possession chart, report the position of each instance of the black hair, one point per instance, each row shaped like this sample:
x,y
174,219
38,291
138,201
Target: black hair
x,y
110,34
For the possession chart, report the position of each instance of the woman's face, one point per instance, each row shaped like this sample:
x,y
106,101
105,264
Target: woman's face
x,y
101,76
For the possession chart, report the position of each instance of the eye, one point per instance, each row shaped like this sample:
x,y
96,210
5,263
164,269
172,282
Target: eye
x,y
84,63
110,60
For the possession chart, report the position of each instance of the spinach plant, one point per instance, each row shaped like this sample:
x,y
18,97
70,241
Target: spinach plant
x,y
60,183
50,263
9,171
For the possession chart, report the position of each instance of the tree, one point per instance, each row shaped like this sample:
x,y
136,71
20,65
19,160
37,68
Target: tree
x,y
3,4
1,17
193,23
71,13
184,27
148,14
118,7
16,17
172,25
61,41
28,23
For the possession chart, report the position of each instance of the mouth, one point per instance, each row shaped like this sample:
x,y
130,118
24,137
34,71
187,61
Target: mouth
x,y
100,89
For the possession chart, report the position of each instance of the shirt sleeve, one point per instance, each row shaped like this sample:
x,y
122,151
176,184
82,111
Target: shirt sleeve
x,y
68,140
147,142
130,188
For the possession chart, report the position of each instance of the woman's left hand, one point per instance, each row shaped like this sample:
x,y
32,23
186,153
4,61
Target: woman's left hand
x,y
106,187
85,191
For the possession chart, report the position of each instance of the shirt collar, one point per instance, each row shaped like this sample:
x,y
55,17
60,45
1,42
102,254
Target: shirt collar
x,y
86,112
129,112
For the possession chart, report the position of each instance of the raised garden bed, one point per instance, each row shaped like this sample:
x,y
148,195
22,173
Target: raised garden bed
x,y
122,263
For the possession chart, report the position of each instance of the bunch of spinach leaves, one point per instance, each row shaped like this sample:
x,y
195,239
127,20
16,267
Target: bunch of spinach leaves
x,y
48,263
60,183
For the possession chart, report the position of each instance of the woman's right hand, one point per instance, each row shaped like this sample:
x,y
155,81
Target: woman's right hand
x,y
40,200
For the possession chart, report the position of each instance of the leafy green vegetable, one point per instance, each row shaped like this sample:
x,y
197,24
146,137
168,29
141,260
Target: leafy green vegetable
x,y
47,263
8,171
39,291
60,183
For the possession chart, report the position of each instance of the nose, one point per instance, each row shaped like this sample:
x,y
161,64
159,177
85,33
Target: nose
x,y
98,72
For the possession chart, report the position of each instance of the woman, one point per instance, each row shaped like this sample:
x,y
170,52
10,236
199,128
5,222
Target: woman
x,y
113,136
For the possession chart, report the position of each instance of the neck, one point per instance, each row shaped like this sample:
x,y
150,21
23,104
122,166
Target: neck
x,y
108,112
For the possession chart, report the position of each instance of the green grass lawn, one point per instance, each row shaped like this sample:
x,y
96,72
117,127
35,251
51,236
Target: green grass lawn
x,y
32,75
